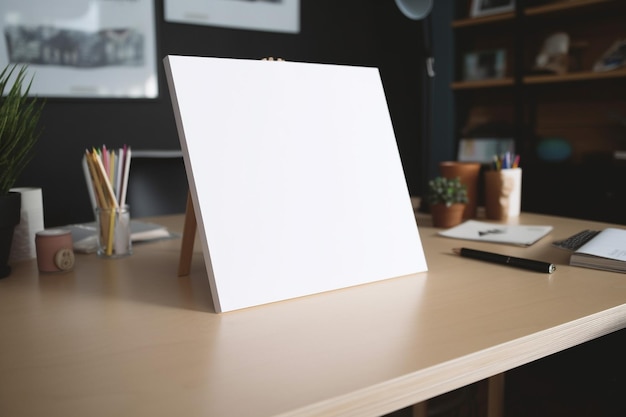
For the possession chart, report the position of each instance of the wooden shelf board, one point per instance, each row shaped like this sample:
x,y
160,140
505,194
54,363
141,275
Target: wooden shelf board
x,y
576,76
480,20
499,82
562,6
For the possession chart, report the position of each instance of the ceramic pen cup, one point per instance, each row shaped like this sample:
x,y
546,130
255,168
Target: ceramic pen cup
x,y
503,193
55,251
468,173
113,227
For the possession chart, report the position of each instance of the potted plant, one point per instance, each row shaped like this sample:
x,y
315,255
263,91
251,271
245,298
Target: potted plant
x,y
447,198
19,118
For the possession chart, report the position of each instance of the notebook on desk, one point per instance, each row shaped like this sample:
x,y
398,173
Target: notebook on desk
x,y
606,251
521,235
84,235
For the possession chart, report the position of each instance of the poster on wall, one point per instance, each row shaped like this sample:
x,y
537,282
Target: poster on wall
x,y
82,48
264,15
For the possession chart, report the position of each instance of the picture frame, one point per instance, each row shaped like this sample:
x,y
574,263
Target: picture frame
x,y
491,7
83,48
484,65
281,16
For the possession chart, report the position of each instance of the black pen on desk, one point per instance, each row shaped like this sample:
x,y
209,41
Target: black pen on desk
x,y
530,264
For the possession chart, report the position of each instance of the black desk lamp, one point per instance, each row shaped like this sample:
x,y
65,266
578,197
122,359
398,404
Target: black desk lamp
x,y
419,10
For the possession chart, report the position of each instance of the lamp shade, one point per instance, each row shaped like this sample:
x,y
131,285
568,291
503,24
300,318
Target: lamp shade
x,y
415,9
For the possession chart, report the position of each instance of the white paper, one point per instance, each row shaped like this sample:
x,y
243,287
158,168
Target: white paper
x,y
295,177
524,235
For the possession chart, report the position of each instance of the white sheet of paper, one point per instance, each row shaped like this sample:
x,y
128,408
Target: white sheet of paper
x,y
295,177
610,244
512,234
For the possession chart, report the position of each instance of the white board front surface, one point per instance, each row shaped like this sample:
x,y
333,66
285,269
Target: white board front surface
x,y
295,177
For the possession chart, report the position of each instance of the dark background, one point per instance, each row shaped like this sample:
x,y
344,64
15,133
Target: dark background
x,y
353,32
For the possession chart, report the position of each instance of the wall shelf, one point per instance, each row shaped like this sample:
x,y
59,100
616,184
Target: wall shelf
x,y
579,109
482,20
499,82
574,76
565,6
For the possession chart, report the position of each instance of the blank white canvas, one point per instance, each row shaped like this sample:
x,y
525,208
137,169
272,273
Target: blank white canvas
x,y
295,177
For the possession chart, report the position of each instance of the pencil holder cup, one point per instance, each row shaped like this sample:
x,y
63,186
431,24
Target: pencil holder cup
x,y
503,193
113,226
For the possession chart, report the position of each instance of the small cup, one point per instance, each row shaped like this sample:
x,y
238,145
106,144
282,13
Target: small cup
x,y
113,225
503,193
54,249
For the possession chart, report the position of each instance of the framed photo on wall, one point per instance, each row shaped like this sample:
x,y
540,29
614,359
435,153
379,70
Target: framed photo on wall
x,y
82,48
264,15
484,65
489,7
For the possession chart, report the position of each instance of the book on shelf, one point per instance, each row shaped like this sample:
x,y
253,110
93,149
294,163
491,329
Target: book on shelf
x,y
85,238
606,251
521,235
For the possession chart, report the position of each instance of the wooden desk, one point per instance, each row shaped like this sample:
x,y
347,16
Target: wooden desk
x,y
129,338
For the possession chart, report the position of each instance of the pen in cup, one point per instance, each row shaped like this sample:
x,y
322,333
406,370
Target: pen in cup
x,y
107,172
507,160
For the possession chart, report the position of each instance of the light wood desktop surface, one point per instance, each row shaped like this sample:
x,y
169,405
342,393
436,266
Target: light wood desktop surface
x,y
129,338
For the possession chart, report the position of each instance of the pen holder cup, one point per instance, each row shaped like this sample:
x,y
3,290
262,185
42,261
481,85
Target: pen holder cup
x,y
113,226
503,193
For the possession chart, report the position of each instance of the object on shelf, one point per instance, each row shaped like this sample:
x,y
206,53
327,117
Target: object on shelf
x,y
484,65
613,58
482,150
491,129
576,50
490,7
554,149
553,57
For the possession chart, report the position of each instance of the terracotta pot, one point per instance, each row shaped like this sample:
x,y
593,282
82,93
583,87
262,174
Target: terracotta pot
x,y
468,173
10,206
444,216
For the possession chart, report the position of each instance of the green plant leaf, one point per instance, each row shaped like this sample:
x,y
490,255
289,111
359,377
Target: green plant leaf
x,y
19,124
446,191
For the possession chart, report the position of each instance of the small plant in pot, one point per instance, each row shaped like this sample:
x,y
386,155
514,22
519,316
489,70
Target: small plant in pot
x,y
19,131
447,198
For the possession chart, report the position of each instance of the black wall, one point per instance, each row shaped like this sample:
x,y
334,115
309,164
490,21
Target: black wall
x,y
354,32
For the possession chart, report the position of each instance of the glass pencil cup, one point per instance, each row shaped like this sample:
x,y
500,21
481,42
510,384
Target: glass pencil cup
x,y
113,225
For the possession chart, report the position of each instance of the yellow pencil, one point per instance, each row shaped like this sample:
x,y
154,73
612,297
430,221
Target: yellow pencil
x,y
94,179
110,202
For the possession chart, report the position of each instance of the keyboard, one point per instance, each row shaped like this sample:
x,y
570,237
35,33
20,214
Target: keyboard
x,y
577,240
